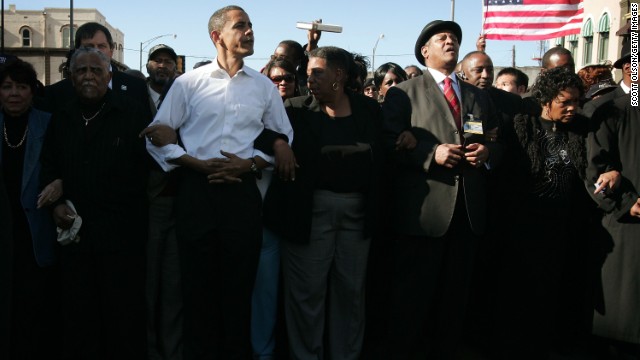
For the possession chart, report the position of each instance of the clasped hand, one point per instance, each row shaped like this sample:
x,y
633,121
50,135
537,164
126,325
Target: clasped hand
x,y
225,170
450,155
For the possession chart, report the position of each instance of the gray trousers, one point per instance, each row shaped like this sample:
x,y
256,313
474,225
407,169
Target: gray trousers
x,y
164,292
324,281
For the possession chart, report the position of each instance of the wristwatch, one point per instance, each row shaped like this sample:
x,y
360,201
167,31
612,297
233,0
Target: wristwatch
x,y
255,170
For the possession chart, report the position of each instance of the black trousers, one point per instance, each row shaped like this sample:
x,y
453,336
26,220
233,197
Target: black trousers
x,y
219,235
103,302
430,290
35,307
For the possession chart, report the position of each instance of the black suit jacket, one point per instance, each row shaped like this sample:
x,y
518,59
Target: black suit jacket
x,y
288,205
59,94
424,192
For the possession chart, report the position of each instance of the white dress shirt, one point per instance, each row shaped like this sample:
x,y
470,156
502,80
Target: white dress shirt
x,y
154,95
216,112
439,78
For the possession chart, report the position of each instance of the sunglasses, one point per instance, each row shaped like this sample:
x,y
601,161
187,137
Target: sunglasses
x,y
287,78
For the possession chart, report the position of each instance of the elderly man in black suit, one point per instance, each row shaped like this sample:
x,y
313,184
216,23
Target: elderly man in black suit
x,y
439,195
93,146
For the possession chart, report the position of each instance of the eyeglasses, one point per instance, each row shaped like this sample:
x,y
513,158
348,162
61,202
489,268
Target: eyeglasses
x,y
287,78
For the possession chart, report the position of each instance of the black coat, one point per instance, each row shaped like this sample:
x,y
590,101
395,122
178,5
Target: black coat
x,y
288,205
614,145
104,167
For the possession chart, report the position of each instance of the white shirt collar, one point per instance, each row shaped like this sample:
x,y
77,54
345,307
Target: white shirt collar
x,y
439,77
624,87
218,72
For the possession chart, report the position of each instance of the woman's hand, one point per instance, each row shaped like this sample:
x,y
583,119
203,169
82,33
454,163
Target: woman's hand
x,y
50,194
406,141
285,160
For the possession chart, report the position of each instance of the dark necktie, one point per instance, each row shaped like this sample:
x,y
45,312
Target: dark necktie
x,y
452,99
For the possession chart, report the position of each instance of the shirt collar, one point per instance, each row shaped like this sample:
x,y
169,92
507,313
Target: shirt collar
x,y
439,77
624,87
218,72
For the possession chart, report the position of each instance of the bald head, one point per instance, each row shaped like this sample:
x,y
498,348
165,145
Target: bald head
x,y
558,57
478,69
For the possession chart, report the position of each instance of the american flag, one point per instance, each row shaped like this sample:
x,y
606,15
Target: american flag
x,y
531,19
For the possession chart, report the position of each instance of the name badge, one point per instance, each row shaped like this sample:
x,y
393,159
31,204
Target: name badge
x,y
472,125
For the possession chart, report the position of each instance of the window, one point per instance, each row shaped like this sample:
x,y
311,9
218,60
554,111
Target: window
x,y
26,37
66,36
572,41
587,48
603,42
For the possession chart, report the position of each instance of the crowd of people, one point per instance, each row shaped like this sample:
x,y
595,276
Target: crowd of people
x,y
306,211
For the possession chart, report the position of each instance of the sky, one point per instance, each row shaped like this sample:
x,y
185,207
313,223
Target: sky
x,y
363,22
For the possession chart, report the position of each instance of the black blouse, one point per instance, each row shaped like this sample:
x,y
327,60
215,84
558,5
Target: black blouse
x,y
344,164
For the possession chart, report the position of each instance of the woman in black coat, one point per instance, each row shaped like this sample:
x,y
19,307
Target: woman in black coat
x,y
325,215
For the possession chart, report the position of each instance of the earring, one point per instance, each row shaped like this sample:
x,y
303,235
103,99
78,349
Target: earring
x,y
335,86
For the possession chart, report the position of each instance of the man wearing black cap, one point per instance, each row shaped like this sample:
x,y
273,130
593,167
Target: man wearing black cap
x,y
161,68
439,195
163,288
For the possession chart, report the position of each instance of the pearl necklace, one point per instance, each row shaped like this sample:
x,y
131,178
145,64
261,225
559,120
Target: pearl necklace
x,y
86,120
6,138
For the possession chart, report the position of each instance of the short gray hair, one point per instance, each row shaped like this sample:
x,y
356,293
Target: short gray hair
x,y
219,18
87,50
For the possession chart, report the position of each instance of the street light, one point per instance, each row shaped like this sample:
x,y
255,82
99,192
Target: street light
x,y
148,42
373,58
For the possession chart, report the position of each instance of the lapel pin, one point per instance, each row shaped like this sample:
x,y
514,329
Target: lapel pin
x,y
123,87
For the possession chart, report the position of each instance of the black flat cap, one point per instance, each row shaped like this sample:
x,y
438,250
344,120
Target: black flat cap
x,y
432,28
625,55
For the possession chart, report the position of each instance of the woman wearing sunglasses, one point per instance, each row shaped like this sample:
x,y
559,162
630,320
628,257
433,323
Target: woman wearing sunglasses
x,y
283,74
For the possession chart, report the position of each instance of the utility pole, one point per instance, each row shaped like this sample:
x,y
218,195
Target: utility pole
x,y
453,10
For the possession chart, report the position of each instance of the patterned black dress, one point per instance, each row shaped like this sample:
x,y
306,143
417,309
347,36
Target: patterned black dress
x,y
544,280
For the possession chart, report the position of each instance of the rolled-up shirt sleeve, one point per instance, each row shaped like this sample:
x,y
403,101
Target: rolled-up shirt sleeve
x,y
173,113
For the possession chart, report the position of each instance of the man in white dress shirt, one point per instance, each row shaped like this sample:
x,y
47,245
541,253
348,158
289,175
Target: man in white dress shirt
x,y
219,109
